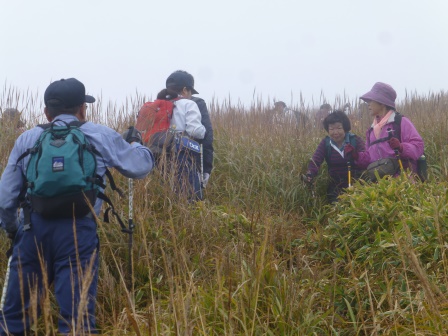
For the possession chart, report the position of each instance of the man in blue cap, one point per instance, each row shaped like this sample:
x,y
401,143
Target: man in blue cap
x,y
62,251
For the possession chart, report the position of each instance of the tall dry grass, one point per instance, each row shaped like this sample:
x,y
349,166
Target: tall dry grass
x,y
255,257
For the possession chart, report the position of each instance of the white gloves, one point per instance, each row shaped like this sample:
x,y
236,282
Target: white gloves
x,y
205,178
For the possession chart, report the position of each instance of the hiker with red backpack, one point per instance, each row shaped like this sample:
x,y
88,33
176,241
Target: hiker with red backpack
x,y
186,122
341,168
171,127
392,142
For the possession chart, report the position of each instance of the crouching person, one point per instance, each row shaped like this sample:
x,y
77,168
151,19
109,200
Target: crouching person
x,y
341,166
52,246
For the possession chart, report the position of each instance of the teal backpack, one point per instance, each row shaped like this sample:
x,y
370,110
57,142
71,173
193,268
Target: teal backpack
x,y
61,177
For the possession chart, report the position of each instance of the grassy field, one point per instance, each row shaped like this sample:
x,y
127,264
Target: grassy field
x,y
261,256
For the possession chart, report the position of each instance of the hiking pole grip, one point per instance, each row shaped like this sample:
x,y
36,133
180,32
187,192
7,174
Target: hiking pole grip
x,y
390,133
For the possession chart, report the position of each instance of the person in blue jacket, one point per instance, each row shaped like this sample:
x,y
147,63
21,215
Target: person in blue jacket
x,y
59,251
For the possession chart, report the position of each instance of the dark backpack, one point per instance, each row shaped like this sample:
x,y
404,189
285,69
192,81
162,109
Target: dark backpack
x,y
352,140
153,121
61,179
421,162
396,130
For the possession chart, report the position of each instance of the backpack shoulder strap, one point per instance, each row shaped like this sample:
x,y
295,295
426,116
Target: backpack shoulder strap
x,y
76,123
368,135
397,122
397,130
44,126
352,139
327,149
34,148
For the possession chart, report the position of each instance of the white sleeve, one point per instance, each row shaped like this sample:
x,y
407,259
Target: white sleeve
x,y
193,125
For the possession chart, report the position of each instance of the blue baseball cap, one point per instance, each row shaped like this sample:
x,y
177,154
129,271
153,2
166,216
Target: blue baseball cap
x,y
66,93
181,79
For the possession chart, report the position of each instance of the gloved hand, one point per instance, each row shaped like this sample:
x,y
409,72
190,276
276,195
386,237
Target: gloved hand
x,y
205,179
350,151
395,144
132,135
308,178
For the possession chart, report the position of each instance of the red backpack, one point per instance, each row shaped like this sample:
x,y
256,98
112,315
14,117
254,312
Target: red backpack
x,y
153,121
154,117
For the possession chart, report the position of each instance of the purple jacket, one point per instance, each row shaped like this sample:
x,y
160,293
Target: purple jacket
x,y
412,145
337,167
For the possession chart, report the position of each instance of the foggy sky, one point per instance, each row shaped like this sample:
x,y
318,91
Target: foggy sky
x,y
239,49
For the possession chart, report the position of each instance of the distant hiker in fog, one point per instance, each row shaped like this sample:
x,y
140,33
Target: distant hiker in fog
x,y
348,109
282,114
11,119
321,114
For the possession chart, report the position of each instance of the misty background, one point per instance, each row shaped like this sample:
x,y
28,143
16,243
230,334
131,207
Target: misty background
x,y
242,49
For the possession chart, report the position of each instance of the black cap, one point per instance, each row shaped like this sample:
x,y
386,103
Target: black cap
x,y
66,93
281,103
181,79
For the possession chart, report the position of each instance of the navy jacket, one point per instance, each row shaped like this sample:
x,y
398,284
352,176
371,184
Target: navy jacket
x,y
207,142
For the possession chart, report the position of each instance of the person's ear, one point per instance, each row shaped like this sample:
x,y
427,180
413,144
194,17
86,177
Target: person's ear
x,y
47,114
82,112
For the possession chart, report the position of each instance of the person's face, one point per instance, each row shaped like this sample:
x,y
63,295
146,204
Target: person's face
x,y
336,132
186,93
324,110
279,107
376,108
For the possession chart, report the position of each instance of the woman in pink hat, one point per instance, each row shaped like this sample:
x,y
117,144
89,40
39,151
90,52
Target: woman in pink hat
x,y
392,138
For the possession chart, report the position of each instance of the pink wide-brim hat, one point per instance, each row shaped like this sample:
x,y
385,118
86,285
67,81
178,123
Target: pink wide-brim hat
x,y
381,93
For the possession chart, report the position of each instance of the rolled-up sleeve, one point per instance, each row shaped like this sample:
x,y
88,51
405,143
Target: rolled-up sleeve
x,y
131,160
134,161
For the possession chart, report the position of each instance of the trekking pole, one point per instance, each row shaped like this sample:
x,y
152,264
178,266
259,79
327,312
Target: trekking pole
x,y
390,133
5,285
202,164
349,167
130,232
